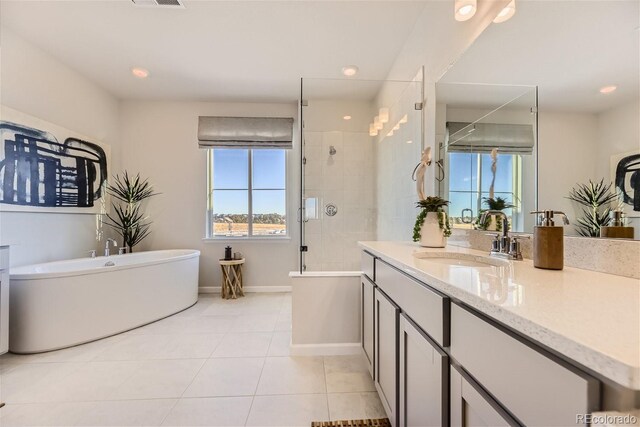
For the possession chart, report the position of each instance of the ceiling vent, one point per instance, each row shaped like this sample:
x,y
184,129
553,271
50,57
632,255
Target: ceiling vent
x,y
175,4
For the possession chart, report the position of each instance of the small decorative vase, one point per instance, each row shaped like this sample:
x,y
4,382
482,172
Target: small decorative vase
x,y
431,235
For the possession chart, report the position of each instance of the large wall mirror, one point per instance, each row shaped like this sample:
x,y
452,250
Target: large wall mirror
x,y
584,59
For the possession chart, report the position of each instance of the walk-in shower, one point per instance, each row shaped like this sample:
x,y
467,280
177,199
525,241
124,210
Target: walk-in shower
x,y
360,142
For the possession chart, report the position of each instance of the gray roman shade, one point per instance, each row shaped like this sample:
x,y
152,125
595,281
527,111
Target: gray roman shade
x,y
245,132
484,137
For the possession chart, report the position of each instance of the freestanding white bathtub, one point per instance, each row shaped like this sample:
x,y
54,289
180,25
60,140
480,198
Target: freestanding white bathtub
x,y
61,304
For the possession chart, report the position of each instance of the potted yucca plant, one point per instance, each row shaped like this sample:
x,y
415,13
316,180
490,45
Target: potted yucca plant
x,y
128,218
432,224
596,199
493,204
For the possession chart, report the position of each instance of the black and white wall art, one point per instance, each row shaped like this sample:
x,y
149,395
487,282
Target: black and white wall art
x,y
46,168
625,168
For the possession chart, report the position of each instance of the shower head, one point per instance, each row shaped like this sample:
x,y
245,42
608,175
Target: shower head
x,y
332,150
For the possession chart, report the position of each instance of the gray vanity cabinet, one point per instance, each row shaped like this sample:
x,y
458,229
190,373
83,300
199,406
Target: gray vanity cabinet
x,y
424,378
471,407
367,310
386,316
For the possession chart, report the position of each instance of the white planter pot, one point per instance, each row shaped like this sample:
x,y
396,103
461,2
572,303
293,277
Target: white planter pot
x,y
431,236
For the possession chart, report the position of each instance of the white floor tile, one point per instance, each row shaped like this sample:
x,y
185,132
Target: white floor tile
x,y
125,412
135,347
355,406
292,375
288,410
65,382
347,374
41,414
280,344
220,411
283,323
255,323
208,324
226,377
159,379
190,346
244,344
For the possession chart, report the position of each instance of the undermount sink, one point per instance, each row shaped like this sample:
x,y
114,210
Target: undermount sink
x,y
461,259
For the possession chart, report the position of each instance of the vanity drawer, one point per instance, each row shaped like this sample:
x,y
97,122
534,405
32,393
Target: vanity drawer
x,y
533,387
428,308
368,265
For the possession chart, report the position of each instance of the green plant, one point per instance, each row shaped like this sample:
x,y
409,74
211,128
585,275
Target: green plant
x,y
596,198
494,204
497,204
128,218
432,204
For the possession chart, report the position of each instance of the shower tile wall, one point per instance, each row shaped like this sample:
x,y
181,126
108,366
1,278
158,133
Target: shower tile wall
x,y
346,180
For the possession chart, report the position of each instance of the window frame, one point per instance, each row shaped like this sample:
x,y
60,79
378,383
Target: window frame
x,y
209,232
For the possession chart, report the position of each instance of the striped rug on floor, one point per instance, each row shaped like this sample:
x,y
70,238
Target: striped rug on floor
x,y
381,422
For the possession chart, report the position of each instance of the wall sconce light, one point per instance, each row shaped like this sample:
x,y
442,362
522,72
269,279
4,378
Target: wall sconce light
x,y
465,9
383,113
506,13
372,130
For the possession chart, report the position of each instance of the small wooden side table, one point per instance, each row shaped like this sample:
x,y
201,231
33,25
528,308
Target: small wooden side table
x,y
232,278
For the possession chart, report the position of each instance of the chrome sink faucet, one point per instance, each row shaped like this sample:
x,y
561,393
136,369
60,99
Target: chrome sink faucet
x,y
504,245
106,246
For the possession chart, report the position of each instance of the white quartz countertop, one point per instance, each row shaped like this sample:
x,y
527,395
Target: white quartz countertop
x,y
589,317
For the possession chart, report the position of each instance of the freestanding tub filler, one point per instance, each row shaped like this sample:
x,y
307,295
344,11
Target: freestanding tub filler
x,y
61,304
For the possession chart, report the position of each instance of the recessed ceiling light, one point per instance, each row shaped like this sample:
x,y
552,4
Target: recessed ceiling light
x,y
409,142
350,70
608,89
347,117
465,9
140,73
506,13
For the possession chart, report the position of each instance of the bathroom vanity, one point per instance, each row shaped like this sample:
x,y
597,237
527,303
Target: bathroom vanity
x,y
453,337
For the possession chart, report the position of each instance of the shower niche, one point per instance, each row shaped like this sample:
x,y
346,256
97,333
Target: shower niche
x,y
353,133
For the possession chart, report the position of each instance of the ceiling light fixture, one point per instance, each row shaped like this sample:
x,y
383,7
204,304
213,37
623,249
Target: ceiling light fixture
x,y
140,73
350,70
346,118
377,123
465,9
608,89
506,13
383,113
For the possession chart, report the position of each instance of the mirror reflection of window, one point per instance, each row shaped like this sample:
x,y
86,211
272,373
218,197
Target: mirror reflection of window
x,y
469,186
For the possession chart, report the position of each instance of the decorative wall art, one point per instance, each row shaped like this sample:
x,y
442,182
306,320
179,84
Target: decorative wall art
x,y
46,168
625,170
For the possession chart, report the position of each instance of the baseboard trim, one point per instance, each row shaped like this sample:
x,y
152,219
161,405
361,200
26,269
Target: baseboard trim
x,y
346,349
262,289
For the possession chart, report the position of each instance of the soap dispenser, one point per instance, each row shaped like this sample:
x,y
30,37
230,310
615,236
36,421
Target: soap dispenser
x,y
548,241
616,228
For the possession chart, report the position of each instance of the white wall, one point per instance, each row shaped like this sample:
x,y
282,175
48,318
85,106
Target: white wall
x,y
35,83
160,142
567,155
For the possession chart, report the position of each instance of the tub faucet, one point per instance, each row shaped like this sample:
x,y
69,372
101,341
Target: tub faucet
x,y
106,246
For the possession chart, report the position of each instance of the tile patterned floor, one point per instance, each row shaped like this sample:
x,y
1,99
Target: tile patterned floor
x,y
219,363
